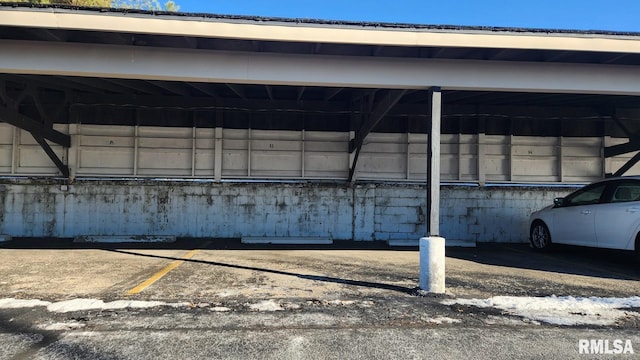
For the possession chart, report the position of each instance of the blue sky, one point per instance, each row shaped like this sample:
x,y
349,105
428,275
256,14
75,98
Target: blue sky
x,y
612,15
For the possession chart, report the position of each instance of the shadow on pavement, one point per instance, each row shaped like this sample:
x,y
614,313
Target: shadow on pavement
x,y
603,263
192,243
36,340
572,260
328,279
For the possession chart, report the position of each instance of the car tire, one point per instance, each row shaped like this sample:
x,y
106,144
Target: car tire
x,y
637,249
540,236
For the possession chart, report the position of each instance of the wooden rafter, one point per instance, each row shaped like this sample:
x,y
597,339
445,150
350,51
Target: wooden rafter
x,y
269,92
238,90
139,86
52,155
175,88
377,114
10,115
379,111
202,87
203,102
632,145
40,130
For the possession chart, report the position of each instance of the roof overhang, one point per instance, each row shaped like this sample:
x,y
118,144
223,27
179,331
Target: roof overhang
x,y
126,61
193,25
130,62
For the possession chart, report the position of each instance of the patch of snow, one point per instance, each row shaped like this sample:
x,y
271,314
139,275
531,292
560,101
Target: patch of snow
x,y
227,293
559,310
266,305
443,320
82,304
220,309
291,306
340,302
11,303
62,326
75,305
94,304
84,334
505,320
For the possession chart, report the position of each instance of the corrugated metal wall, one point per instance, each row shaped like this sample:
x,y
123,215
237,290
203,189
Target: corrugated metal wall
x,y
146,151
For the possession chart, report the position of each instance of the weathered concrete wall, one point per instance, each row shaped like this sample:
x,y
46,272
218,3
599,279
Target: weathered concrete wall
x,y
44,208
493,214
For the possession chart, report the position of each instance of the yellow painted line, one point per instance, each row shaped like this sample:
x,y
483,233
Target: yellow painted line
x,y
160,274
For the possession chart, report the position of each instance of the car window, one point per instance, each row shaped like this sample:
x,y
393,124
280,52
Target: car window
x,y
626,191
589,195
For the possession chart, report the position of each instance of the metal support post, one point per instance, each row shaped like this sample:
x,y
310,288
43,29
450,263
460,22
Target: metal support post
x,y
432,255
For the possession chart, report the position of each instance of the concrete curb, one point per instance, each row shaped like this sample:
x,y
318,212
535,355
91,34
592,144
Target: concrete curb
x,y
125,239
288,240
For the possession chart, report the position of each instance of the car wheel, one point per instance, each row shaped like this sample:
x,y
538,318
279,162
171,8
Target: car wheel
x,y
540,237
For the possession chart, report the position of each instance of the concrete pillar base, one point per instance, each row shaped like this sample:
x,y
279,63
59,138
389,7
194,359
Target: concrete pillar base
x,y
432,261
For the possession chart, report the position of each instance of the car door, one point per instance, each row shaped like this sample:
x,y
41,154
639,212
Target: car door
x,y
618,218
573,223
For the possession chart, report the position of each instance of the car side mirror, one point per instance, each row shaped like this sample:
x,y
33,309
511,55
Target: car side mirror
x,y
558,202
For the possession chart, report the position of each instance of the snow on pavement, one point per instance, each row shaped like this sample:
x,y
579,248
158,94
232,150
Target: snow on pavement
x,y
560,310
11,303
266,305
82,304
90,304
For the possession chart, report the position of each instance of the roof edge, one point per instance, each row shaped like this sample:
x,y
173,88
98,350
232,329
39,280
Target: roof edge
x,y
312,21
309,30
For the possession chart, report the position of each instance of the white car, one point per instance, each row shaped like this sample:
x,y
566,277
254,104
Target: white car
x,y
605,214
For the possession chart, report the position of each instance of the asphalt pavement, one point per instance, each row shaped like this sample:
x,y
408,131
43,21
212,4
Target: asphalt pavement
x,y
218,298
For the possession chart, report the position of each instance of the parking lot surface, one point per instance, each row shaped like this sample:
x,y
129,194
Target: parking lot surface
x,y
225,269
219,298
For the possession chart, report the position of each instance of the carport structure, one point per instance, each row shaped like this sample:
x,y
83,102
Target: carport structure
x,y
223,126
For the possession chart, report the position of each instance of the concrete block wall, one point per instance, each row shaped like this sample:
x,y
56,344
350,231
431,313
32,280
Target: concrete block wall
x,y
181,209
400,212
362,212
493,214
